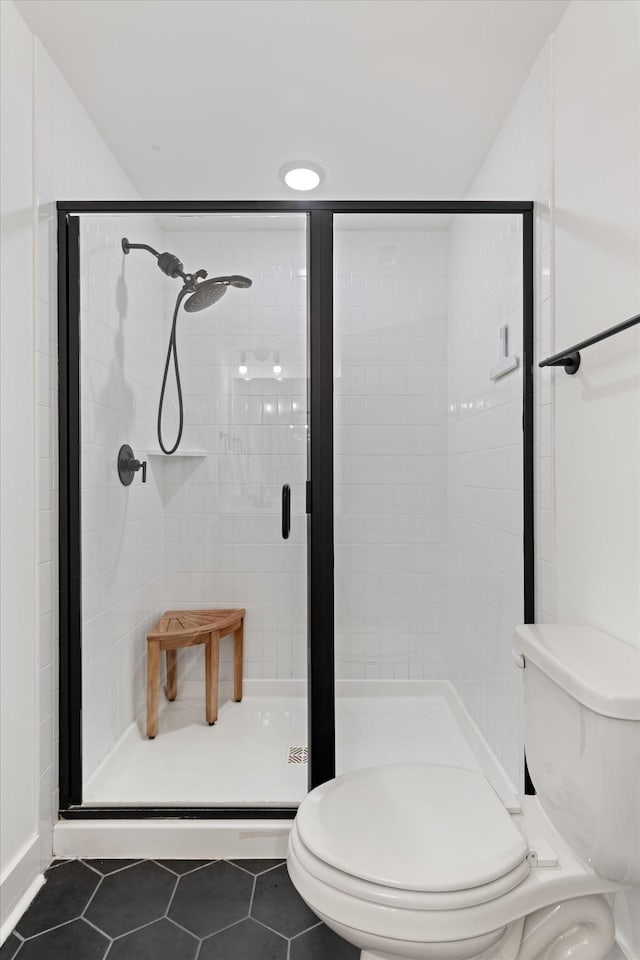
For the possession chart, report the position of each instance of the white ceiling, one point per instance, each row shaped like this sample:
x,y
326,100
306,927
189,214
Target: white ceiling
x,y
209,98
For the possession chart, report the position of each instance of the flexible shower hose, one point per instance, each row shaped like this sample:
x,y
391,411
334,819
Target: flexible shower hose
x,y
172,350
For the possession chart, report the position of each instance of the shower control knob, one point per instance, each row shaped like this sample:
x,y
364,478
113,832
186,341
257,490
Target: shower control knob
x,y
128,465
136,465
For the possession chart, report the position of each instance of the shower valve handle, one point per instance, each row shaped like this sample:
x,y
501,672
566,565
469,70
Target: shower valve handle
x,y
136,465
128,465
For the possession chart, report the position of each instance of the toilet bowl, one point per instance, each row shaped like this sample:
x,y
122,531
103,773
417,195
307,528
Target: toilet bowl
x,y
420,861
423,862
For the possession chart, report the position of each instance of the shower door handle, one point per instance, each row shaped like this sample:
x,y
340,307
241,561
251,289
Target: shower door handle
x,y
286,511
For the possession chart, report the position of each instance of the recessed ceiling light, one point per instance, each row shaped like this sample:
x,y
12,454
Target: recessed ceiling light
x,y
302,175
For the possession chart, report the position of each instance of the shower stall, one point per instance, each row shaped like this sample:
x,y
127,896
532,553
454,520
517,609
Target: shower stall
x,y
331,430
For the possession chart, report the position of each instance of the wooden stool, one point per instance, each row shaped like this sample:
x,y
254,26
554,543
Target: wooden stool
x,y
188,628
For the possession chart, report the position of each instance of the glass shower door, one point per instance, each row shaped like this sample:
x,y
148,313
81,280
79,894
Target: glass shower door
x,y
201,528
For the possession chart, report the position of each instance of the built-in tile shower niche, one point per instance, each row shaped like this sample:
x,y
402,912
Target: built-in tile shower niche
x,y
376,368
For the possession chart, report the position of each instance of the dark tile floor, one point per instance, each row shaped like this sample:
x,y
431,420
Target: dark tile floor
x,y
171,910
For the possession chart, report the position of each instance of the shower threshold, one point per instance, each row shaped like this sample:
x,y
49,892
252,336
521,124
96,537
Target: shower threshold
x,y
245,760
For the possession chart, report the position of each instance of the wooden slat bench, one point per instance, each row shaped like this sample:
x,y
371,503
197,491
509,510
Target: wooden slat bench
x,y
188,628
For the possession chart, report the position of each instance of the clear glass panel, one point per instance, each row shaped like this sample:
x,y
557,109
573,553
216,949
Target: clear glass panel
x,y
204,531
428,486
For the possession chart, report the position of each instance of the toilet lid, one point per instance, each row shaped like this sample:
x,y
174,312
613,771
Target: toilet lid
x,y
412,826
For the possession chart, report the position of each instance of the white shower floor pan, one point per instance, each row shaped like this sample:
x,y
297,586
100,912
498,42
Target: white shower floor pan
x,y
243,761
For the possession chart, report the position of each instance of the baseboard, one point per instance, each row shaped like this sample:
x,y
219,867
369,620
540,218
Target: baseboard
x,y
19,884
166,839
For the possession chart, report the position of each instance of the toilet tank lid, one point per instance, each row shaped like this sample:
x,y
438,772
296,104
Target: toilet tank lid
x,y
598,670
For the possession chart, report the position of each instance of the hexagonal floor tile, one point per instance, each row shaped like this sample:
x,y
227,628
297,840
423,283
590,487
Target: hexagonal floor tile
x,y
257,866
161,940
277,904
74,941
246,940
320,943
64,896
130,898
212,898
180,867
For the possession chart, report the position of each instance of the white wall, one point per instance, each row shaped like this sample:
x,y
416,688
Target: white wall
x,y
19,853
597,284
390,446
72,162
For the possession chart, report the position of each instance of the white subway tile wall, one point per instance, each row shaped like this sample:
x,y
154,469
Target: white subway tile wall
x,y
121,301
485,471
391,451
519,166
224,546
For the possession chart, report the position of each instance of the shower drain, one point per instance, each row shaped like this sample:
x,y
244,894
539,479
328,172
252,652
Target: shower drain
x,y
298,755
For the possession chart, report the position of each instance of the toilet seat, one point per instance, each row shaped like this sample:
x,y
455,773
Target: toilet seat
x,y
394,920
360,833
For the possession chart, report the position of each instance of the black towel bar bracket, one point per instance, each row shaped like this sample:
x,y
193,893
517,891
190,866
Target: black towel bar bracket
x,y
570,358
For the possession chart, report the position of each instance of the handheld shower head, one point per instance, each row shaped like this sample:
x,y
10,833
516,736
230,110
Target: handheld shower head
x,y
208,292
200,294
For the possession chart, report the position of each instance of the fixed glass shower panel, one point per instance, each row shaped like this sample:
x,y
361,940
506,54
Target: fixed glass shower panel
x,y
428,487
201,528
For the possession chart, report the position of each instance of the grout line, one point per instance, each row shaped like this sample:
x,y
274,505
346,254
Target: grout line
x,y
279,933
173,892
99,930
184,929
274,867
214,933
127,933
57,926
90,900
312,927
253,893
134,863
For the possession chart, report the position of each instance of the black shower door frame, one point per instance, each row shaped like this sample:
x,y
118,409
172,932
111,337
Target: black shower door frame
x,y
320,482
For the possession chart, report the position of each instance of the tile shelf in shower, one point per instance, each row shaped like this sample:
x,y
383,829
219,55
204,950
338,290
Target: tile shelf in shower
x,y
178,453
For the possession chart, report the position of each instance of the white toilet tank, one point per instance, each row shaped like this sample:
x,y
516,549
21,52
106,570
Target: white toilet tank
x,y
582,741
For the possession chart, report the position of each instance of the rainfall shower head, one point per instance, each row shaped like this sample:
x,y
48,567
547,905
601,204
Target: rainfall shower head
x,y
208,292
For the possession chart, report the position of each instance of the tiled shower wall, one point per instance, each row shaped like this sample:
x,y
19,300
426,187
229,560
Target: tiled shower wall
x,y
518,165
223,509
391,452
122,527
485,515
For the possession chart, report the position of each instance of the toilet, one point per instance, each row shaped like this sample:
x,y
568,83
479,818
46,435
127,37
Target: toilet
x,y
424,862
